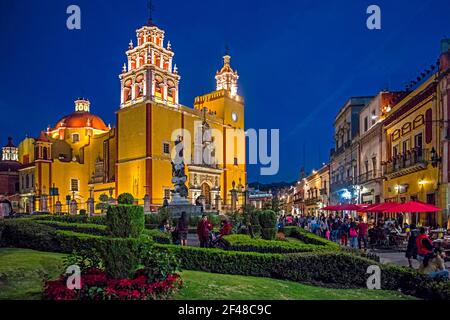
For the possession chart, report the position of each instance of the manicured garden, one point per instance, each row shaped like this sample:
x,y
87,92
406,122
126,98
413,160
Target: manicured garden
x,y
22,272
124,257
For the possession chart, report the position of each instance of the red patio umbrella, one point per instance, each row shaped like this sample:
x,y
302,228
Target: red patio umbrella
x,y
349,207
381,207
329,208
413,206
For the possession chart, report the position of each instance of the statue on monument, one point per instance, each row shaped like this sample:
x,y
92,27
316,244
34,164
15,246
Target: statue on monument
x,y
179,177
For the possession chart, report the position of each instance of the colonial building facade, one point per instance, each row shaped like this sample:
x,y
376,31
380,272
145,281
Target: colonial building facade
x,y
344,159
71,164
392,147
371,147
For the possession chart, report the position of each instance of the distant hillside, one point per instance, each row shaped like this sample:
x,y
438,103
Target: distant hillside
x,y
274,186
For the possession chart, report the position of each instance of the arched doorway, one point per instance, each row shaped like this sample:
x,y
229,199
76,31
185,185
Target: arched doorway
x,y
206,192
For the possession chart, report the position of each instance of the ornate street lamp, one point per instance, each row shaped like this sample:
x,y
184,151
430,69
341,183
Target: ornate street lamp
x,y
435,159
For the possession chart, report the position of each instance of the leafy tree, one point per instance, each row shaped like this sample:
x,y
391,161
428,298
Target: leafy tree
x,y
103,203
125,198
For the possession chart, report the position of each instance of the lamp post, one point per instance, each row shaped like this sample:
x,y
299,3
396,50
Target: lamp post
x,y
435,158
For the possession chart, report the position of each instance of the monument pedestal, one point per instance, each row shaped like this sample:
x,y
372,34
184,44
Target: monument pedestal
x,y
178,205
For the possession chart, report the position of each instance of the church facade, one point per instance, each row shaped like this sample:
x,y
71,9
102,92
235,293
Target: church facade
x,y
80,158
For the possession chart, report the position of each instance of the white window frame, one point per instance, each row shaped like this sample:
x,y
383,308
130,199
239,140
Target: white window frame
x,y
78,184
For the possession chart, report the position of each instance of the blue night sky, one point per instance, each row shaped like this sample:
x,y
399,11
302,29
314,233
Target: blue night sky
x,y
298,61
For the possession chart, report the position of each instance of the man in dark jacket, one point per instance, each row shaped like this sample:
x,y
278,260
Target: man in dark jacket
x,y
411,249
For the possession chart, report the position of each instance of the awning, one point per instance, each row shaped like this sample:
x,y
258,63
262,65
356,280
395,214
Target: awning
x,y
381,207
413,206
329,208
344,207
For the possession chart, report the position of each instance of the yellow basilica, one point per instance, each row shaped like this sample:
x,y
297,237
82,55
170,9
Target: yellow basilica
x,y
81,160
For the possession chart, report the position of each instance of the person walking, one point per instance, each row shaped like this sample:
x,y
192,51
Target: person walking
x,y
183,228
343,233
203,229
424,245
411,248
362,234
353,235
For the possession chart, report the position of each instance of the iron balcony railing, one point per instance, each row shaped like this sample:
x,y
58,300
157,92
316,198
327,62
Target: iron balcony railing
x,y
413,158
369,176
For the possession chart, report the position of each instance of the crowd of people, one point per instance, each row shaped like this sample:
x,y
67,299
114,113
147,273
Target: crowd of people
x,y
358,234
341,229
205,230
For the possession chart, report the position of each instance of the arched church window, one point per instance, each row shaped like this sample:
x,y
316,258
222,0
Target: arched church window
x,y
44,153
159,86
127,90
171,91
139,92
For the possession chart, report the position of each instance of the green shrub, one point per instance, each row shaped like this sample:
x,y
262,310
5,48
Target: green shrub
x,y
158,236
213,218
120,256
71,219
152,219
268,233
332,268
125,198
125,221
236,242
158,265
93,229
308,237
23,233
267,219
85,259
83,212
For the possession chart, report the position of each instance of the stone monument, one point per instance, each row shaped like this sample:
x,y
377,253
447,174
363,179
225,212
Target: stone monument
x,y
179,202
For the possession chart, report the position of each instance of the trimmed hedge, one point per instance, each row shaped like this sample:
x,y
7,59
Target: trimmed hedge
x,y
308,237
94,229
124,221
238,242
331,268
158,236
311,238
100,220
120,255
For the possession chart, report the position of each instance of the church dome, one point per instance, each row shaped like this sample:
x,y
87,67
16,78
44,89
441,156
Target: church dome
x,y
82,118
9,161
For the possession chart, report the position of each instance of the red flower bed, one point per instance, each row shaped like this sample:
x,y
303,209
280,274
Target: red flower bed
x,y
95,285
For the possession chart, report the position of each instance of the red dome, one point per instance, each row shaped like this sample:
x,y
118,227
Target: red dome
x,y
81,120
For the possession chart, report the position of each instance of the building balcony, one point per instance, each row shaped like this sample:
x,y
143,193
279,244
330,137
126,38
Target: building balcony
x,y
341,149
312,201
369,176
406,163
341,184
